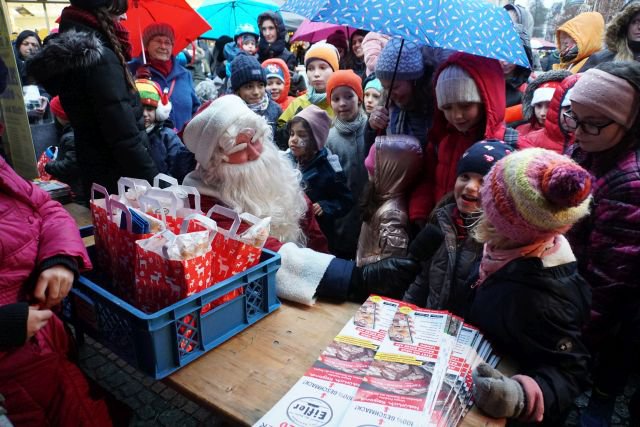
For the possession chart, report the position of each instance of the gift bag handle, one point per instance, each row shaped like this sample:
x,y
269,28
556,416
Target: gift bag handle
x,y
207,222
162,177
97,188
125,210
250,218
148,203
196,196
229,213
124,183
160,194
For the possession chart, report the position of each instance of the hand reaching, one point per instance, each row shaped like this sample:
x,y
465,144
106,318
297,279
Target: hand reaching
x,y
496,394
53,285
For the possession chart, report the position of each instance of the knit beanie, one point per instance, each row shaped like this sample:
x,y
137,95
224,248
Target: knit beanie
x,y
273,71
609,95
534,194
244,69
319,122
151,94
324,51
248,29
545,92
481,156
345,78
374,84
56,108
456,85
338,39
203,134
157,29
410,65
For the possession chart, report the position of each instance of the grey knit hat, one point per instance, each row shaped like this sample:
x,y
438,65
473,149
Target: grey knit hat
x,y
410,66
456,85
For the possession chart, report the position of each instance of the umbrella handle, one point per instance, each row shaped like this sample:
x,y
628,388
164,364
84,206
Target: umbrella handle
x,y
395,70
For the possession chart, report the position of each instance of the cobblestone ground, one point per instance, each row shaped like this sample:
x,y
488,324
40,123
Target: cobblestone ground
x,y
155,404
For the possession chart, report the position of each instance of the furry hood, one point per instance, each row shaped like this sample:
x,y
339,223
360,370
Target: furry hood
x,y
617,28
550,76
69,51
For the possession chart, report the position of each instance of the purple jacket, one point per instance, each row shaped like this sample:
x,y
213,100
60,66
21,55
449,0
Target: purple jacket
x,y
607,242
33,228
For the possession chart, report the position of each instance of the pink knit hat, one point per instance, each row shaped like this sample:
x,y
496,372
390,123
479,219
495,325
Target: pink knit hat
x,y
534,194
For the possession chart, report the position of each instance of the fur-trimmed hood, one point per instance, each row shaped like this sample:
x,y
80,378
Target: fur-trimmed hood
x,y
69,51
550,76
617,29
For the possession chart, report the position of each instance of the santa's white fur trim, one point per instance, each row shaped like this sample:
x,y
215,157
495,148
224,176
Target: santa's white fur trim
x,y
300,273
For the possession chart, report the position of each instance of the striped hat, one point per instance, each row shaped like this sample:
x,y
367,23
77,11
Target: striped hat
x,y
152,95
534,194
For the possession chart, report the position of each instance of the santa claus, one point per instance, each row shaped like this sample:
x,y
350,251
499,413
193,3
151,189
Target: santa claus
x,y
240,167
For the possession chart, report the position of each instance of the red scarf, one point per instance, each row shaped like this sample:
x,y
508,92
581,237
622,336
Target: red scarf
x,y
164,67
494,259
87,18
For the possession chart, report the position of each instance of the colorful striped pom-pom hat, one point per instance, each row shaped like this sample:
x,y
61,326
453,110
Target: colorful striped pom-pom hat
x,y
534,194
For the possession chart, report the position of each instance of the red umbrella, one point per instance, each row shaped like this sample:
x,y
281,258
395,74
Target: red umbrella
x,y
187,24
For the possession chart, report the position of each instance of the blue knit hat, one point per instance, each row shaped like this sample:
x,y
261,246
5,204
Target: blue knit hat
x,y
244,69
410,66
374,84
481,156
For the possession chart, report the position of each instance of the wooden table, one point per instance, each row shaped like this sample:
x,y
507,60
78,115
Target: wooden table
x,y
245,376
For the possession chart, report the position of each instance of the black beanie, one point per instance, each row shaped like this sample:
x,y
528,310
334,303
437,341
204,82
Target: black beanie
x,y
482,155
244,69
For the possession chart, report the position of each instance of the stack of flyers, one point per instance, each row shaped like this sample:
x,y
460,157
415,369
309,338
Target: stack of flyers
x,y
393,364
324,393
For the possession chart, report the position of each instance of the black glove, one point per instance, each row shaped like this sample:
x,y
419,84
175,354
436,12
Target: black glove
x,y
388,277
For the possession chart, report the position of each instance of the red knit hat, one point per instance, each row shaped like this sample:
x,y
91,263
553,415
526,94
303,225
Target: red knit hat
x,y
345,78
56,108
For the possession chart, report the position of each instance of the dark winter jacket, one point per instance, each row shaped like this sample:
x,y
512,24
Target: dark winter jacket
x,y
277,49
617,46
534,315
324,183
106,114
607,242
179,84
549,60
445,280
65,167
272,113
169,153
552,136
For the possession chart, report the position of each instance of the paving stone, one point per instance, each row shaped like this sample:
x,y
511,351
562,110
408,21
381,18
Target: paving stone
x,y
117,379
190,407
160,405
105,371
168,393
134,402
158,387
178,401
171,417
130,388
146,396
148,381
146,412
95,361
202,414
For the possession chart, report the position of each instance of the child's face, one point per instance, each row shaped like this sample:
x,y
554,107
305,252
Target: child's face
x,y
318,73
149,115
249,46
251,92
401,93
275,86
467,192
345,103
463,115
299,142
610,132
540,109
371,99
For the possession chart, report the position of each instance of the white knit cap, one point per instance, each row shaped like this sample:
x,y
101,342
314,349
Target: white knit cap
x,y
543,94
456,85
203,133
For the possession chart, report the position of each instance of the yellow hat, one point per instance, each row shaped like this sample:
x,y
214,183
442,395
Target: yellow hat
x,y
324,51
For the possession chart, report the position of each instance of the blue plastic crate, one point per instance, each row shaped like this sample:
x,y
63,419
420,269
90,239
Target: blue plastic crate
x,y
162,342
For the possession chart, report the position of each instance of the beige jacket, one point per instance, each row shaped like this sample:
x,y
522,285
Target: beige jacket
x,y
397,164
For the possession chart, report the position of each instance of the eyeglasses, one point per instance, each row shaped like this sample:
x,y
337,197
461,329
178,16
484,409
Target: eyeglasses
x,y
573,124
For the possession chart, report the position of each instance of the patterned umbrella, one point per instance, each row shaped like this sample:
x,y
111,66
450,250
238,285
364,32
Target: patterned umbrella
x,y
472,26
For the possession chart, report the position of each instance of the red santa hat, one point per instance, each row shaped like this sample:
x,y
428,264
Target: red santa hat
x,y
545,92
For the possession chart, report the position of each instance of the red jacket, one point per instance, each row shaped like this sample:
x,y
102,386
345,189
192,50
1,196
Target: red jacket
x,y
446,144
552,137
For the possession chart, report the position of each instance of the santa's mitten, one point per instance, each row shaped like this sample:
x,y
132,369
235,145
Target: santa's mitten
x,y
496,394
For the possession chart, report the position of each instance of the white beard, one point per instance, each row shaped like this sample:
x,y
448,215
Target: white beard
x,y
269,186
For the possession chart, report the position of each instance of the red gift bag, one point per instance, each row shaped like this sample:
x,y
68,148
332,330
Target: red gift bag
x,y
42,161
174,203
167,272
101,216
130,189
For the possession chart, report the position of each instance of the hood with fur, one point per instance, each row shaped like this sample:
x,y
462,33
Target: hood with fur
x,y
550,76
616,35
69,51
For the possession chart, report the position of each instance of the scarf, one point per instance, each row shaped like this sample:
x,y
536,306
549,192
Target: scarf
x,y
87,18
260,106
494,259
352,127
163,67
315,97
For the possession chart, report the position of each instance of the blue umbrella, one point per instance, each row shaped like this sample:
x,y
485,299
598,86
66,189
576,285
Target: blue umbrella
x,y
472,26
225,16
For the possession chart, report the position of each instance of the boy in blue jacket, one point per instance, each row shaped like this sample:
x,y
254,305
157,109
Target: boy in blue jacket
x,y
167,151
